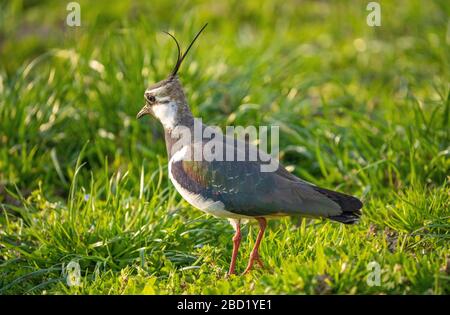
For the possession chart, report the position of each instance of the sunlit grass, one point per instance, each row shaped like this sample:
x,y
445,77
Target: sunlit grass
x,y
362,110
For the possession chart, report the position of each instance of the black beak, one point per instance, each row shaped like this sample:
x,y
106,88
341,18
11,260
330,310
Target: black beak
x,y
144,111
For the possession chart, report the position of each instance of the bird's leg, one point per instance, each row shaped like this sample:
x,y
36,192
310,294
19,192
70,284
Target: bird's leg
x,y
255,255
236,243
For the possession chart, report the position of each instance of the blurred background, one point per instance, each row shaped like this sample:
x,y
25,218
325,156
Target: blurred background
x,y
361,109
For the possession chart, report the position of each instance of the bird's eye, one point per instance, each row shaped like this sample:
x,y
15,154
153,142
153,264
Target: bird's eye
x,y
150,98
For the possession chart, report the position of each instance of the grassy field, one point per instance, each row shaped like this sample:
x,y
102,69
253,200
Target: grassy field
x,y
364,110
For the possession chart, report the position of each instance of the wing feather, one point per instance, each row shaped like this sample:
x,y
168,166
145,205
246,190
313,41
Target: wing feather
x,y
245,190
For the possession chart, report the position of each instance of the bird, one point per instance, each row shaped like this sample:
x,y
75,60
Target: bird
x,y
237,190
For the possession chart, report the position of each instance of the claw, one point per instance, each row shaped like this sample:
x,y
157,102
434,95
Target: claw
x,y
254,256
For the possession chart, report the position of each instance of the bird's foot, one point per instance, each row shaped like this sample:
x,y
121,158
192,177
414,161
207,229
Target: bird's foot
x,y
230,273
253,257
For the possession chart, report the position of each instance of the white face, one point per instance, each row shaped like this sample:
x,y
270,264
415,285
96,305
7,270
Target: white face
x,y
163,107
166,113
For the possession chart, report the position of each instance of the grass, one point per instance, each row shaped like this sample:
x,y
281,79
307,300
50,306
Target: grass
x,y
363,110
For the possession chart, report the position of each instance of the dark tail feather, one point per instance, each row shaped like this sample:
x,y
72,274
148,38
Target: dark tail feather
x,y
350,206
347,217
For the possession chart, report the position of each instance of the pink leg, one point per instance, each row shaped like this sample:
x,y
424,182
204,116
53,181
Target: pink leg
x,y
255,255
236,243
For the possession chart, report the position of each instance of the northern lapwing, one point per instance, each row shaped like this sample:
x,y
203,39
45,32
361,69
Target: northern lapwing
x,y
236,190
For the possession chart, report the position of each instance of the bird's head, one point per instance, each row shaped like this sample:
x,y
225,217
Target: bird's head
x,y
165,100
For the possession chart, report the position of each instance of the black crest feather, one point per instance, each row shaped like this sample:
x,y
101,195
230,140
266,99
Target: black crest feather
x,y
180,57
